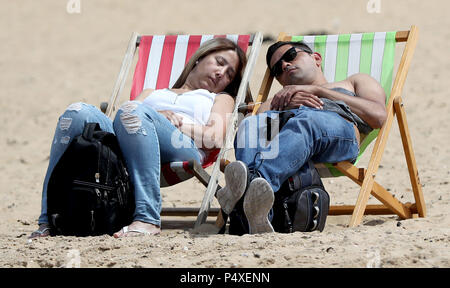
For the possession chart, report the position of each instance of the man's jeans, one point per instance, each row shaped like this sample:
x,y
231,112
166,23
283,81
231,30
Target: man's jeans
x,y
319,135
146,139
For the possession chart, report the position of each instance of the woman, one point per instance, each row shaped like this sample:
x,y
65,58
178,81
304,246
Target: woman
x,y
161,126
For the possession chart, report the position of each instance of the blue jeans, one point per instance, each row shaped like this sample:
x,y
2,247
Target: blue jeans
x,y
322,136
146,139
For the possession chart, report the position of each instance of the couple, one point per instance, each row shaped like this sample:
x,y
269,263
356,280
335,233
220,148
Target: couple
x,y
144,128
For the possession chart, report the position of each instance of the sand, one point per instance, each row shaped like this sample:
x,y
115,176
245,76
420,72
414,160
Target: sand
x,y
50,58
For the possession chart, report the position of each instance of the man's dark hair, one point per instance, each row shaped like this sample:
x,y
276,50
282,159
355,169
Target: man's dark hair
x,y
278,44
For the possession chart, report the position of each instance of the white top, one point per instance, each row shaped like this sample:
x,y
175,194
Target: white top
x,y
194,106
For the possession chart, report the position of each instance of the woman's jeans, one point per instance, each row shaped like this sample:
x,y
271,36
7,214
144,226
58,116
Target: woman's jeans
x,y
146,139
322,136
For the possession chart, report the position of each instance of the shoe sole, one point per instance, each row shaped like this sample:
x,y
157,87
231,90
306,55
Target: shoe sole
x,y
258,201
236,183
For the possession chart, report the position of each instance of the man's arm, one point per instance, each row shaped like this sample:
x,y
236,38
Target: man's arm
x,y
369,104
284,99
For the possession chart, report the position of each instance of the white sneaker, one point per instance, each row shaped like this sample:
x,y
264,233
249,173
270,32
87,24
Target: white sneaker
x,y
235,185
258,201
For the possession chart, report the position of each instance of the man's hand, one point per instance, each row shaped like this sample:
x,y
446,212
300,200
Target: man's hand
x,y
294,96
175,119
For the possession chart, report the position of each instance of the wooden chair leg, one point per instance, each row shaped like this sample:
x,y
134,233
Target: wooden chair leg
x,y
370,209
124,69
410,158
361,202
390,203
374,163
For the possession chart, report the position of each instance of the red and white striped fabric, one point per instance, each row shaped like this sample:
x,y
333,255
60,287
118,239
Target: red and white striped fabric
x,y
162,58
161,61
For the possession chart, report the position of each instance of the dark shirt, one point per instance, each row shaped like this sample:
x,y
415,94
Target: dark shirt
x,y
344,111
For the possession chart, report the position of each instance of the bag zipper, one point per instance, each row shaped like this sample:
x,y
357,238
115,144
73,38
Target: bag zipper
x,y
97,175
100,186
92,221
119,196
93,185
289,222
107,165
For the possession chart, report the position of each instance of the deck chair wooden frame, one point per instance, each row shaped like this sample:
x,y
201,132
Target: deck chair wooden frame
x,y
244,95
366,177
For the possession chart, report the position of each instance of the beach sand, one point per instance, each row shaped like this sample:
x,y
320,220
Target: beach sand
x,y
50,58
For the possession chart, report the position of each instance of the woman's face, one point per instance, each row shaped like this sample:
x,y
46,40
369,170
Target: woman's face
x,y
215,71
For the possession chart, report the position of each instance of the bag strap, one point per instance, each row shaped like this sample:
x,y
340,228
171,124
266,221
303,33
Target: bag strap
x,y
89,130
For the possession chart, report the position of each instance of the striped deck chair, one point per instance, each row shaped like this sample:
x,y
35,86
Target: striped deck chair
x,y
161,61
371,53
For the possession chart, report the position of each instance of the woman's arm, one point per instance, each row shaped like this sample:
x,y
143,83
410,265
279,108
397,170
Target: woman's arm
x,y
175,119
213,133
143,95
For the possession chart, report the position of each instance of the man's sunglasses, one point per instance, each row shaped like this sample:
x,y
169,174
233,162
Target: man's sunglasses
x,y
288,56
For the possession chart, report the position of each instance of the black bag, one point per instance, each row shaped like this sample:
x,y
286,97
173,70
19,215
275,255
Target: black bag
x,y
301,204
89,192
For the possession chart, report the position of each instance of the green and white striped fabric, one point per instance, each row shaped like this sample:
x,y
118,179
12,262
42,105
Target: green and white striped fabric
x,y
347,54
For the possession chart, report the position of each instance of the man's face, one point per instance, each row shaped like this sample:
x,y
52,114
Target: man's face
x,y
294,66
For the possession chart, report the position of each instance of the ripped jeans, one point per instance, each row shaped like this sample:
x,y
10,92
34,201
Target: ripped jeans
x,y
146,139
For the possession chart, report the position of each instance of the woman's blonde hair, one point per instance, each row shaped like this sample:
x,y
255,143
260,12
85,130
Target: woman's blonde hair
x,y
211,46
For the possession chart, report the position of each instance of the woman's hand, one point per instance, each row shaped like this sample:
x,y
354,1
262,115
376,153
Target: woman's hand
x,y
175,119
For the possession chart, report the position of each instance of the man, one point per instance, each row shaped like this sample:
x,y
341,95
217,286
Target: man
x,y
324,122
